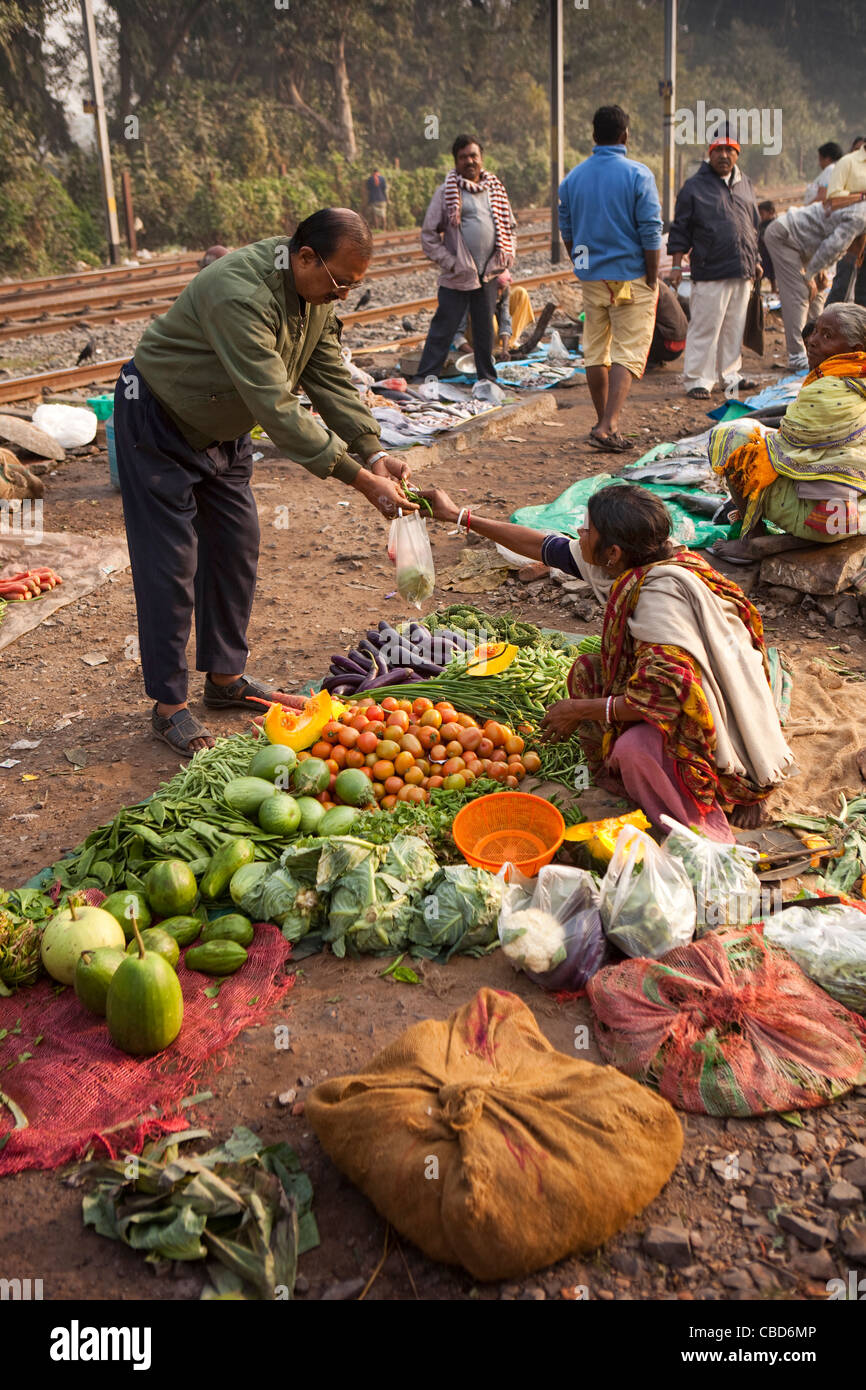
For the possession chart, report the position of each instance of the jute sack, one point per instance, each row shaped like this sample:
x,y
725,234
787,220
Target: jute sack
x,y
485,1146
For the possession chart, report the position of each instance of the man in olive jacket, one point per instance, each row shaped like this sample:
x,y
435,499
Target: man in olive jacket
x,y
227,355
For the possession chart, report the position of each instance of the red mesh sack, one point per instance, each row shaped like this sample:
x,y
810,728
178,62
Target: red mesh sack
x,y
728,1025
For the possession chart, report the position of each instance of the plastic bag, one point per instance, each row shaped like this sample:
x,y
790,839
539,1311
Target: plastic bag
x,y
727,889
557,351
488,391
567,949
416,577
647,903
71,425
829,945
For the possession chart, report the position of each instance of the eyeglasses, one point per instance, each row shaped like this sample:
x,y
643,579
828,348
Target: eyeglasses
x,y
341,287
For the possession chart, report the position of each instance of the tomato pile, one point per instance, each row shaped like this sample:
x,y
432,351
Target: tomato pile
x,y
409,748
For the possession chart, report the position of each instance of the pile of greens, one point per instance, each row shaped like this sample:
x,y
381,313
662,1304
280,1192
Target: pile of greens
x,y
243,1207
185,819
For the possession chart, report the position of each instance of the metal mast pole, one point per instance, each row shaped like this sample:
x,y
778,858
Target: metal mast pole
x,y
668,93
557,130
101,133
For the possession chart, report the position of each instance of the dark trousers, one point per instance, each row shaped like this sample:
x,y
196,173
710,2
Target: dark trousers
x,y
845,269
193,534
481,304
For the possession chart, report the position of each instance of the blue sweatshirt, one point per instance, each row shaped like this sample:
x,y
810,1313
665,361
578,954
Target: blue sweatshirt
x,y
609,210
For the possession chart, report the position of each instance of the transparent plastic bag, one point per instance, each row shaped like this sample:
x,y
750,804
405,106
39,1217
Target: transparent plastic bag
x,y
564,948
647,903
727,889
829,945
71,425
416,576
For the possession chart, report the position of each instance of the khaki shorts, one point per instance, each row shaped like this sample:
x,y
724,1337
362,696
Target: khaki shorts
x,y
377,214
618,333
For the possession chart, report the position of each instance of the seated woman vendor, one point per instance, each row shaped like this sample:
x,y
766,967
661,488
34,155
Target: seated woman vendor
x,y
677,711
808,476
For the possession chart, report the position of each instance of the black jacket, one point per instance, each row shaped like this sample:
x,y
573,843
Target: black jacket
x,y
718,225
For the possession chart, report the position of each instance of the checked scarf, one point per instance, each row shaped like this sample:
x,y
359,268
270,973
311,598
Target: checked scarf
x,y
499,205
663,684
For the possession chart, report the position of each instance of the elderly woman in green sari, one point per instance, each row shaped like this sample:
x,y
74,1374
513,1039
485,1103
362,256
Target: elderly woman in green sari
x,y
809,476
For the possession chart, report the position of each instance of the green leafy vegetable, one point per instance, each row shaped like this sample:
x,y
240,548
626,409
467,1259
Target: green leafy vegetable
x,y
458,914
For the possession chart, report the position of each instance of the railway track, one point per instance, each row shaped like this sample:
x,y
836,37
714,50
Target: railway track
x,y
45,311
92,373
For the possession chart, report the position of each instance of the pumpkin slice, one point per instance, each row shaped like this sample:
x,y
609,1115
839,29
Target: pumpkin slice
x,y
491,658
299,728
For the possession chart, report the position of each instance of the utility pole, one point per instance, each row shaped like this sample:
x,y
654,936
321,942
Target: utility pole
x,y
557,127
668,94
101,133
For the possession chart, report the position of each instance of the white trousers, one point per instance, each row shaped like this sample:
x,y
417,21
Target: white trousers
x,y
714,342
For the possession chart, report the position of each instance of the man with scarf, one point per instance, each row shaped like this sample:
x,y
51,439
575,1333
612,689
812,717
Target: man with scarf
x,y
469,231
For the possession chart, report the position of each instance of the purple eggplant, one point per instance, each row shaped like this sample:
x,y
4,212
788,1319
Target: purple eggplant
x,y
343,684
375,637
344,663
362,659
456,637
400,676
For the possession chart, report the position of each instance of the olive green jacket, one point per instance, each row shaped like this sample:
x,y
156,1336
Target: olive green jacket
x,y
232,349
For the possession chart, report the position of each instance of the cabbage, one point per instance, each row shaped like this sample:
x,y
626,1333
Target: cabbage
x,y
458,914
410,860
294,906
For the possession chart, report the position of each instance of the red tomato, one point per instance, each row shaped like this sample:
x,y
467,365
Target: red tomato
x,y
338,754
389,703
421,705
348,736
388,803
354,758
374,713
331,731
360,723
398,719
367,741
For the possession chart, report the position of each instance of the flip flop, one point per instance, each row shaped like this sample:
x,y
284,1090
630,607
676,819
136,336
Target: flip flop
x,y
732,559
178,730
698,393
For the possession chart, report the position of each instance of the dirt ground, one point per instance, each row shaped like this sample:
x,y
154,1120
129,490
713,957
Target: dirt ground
x,y
321,580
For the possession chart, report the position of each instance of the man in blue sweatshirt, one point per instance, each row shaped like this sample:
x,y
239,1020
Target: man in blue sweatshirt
x,y
611,223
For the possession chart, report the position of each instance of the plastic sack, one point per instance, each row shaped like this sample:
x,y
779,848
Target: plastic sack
x,y
514,560
647,903
416,576
829,945
727,889
566,952
600,836
71,425
556,350
488,391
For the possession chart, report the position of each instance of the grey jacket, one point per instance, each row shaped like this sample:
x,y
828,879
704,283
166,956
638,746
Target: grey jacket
x,y
444,244
821,238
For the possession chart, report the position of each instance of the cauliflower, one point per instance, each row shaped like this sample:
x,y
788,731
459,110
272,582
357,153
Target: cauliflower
x,y
534,940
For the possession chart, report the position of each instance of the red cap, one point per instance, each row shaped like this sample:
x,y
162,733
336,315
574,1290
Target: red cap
x,y
723,141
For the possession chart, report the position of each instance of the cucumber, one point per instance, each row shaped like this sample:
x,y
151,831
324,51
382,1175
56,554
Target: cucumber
x,y
185,930
337,821
246,794
232,927
216,958
228,859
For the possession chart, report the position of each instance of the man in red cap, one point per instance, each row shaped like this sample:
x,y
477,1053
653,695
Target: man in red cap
x,y
716,224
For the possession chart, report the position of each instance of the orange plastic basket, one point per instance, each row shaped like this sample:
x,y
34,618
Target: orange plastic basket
x,y
508,828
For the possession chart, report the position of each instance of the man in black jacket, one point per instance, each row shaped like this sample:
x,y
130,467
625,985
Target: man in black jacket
x,y
716,223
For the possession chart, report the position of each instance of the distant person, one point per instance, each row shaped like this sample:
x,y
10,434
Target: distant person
x,y
611,223
828,155
671,326
767,214
377,199
469,231
847,188
805,244
716,223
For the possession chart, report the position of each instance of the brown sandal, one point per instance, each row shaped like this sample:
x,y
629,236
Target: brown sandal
x,y
179,730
